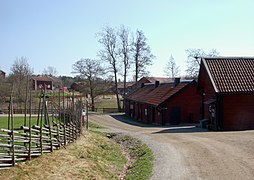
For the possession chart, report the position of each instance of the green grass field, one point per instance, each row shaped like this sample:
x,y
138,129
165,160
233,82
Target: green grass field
x,y
18,122
106,104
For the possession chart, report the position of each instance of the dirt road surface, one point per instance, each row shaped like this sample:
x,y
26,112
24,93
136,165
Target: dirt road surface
x,y
187,152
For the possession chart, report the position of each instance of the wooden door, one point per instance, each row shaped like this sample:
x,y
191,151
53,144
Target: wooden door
x,y
175,115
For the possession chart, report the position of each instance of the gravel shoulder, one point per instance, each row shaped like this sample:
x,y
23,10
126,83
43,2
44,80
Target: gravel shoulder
x,y
187,152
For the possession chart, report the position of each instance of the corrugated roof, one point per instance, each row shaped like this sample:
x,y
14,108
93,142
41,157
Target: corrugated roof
x,y
231,74
155,96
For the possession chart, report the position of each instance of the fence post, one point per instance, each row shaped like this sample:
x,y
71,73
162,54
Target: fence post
x,y
64,120
41,124
12,129
87,112
50,133
39,109
58,120
30,124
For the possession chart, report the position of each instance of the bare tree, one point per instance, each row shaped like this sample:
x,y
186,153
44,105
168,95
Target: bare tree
x,y
4,91
193,60
90,71
171,69
109,54
20,73
50,71
124,51
142,54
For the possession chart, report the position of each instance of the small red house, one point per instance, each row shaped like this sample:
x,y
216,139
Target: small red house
x,y
41,81
165,103
226,85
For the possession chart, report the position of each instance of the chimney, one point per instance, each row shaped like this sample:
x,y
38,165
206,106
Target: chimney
x,y
142,85
177,81
157,83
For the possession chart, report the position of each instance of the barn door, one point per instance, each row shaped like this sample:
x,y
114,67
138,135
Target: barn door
x,y
163,117
175,115
151,114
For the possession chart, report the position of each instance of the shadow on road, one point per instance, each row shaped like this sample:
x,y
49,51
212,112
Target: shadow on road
x,y
182,129
124,119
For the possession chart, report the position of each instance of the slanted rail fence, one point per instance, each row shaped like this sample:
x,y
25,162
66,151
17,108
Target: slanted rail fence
x,y
41,133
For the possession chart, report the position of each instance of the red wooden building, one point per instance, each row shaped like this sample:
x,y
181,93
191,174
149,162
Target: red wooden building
x,y
40,81
227,88
165,103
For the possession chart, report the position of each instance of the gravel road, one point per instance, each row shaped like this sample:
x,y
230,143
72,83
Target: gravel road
x,y
187,152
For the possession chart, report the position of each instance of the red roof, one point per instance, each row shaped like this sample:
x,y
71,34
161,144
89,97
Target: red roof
x,y
155,96
230,75
141,93
164,92
42,78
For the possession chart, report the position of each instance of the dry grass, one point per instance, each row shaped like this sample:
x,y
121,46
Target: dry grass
x,y
92,156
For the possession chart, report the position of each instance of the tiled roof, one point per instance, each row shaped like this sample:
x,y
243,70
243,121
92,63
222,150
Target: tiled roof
x,y
231,75
164,92
140,94
155,96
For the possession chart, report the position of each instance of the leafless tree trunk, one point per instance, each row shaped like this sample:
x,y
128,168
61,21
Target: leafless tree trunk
x,y
193,60
172,69
142,54
90,71
108,39
20,70
50,71
125,50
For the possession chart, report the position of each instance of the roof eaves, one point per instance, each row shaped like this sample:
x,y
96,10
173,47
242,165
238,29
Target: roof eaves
x,y
209,74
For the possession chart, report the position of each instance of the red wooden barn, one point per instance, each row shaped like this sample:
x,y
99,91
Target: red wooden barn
x,y
165,103
40,81
227,88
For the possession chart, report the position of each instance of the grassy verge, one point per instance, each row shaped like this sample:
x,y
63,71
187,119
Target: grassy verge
x,y
141,157
92,156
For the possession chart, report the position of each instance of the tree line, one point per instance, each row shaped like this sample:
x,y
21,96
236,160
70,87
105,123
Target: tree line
x,y
123,54
18,82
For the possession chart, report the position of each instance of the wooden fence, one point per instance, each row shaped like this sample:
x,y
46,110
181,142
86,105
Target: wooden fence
x,y
51,132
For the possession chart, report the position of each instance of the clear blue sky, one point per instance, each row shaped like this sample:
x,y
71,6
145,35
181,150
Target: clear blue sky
x,y
59,32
